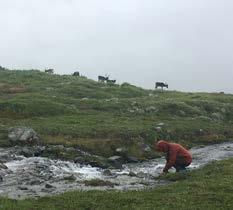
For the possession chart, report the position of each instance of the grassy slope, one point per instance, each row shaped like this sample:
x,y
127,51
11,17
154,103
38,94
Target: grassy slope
x,y
78,111
209,188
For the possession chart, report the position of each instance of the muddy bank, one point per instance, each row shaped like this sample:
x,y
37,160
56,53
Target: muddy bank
x,y
39,176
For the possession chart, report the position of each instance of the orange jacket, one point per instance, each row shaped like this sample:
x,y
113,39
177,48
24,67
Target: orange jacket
x,y
175,154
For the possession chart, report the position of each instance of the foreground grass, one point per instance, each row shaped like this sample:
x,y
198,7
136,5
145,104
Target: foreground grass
x,y
207,188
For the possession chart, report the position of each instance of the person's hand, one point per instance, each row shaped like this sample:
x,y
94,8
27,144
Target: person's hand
x,y
165,171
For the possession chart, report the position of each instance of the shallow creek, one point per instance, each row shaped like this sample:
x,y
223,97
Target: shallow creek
x,y
38,176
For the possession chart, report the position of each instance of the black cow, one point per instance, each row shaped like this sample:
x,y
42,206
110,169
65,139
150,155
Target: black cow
x,y
76,73
50,71
102,79
161,84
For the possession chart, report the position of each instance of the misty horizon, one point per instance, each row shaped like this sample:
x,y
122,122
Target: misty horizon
x,y
186,44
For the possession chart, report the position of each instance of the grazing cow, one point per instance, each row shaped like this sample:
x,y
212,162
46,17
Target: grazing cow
x,y
50,71
161,84
111,81
102,79
76,73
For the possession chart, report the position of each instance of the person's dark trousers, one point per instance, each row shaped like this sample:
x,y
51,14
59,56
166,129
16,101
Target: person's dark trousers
x,y
180,166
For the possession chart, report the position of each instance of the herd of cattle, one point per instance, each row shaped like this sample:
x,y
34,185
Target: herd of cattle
x,y
107,80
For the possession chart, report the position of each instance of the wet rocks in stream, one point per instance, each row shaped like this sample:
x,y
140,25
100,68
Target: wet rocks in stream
x,y
22,177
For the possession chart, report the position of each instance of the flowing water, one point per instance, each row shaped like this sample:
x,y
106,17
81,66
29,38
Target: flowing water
x,y
38,176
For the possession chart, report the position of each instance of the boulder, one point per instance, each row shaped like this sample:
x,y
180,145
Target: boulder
x,y
49,186
35,182
2,166
97,163
80,160
142,175
132,159
115,158
116,161
121,151
217,116
158,129
145,148
70,177
107,172
23,135
131,173
22,188
26,152
151,109
161,124
181,113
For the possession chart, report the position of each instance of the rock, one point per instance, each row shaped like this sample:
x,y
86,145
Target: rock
x,y
70,150
141,175
204,118
217,116
26,152
132,159
159,129
23,188
121,150
115,158
2,166
161,124
56,147
30,151
140,111
182,113
70,178
35,182
38,151
145,148
49,186
96,164
84,99
223,110
23,135
80,160
107,172
131,173
134,103
116,161
151,109
112,99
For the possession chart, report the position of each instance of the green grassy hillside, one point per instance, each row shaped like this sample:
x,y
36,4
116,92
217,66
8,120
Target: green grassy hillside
x,y
100,117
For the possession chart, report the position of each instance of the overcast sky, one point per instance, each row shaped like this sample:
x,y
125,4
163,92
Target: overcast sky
x,y
186,43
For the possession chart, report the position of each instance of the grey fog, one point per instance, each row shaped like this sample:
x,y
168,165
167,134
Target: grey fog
x,y
185,43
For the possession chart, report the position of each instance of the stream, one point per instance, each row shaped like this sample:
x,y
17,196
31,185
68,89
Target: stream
x,y
38,176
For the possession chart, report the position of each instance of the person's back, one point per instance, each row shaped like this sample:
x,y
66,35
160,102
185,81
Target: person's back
x,y
176,155
182,153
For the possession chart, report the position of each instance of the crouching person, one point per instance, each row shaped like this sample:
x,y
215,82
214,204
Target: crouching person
x,y
176,155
